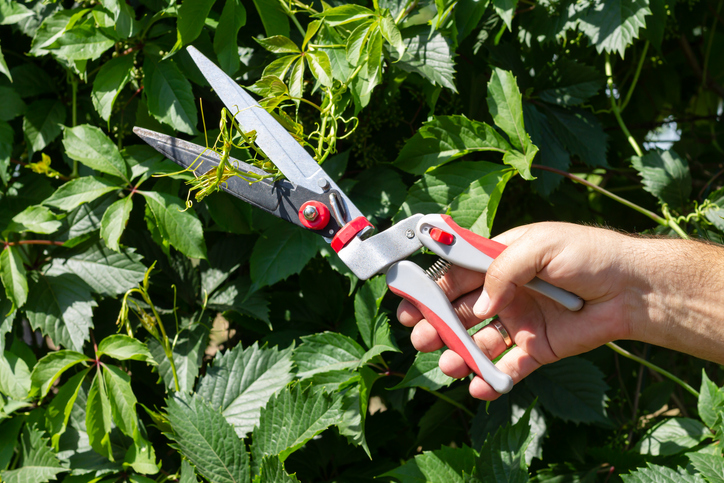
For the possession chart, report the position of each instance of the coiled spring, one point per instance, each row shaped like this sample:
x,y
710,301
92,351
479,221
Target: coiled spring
x,y
438,269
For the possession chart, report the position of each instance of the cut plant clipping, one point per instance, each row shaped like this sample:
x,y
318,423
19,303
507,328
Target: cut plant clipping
x,y
145,338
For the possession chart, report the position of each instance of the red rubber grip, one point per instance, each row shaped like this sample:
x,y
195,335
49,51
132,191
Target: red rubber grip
x,y
489,247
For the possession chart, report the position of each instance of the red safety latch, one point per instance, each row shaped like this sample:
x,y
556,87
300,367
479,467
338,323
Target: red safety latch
x,y
441,236
348,232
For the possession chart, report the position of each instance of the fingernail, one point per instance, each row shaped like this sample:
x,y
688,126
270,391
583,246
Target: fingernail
x,y
481,306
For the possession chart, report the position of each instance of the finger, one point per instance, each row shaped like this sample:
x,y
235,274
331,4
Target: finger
x,y
516,363
425,338
510,236
407,314
459,281
453,365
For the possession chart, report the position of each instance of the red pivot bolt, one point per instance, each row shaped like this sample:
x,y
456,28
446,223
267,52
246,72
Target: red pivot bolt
x,y
314,215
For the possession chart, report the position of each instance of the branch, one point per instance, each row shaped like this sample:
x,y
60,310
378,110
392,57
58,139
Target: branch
x,y
34,242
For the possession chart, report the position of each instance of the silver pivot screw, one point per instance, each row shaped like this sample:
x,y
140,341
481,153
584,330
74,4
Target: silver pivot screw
x,y
410,234
324,184
310,213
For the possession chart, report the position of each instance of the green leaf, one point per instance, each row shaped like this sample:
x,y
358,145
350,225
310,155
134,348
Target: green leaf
x,y
114,221
191,17
4,67
41,123
665,175
109,82
367,305
282,250
326,351
81,43
203,436
13,12
14,377
178,225
36,219
123,348
320,67
78,191
505,9
291,418
12,273
279,44
344,14
709,465
240,383
98,417
661,474
552,151
711,400
188,353
272,471
169,96
187,473
52,366
233,17
378,192
572,389
122,399
61,406
425,372
431,57
241,297
571,83
12,106
355,408
475,208
38,463
61,306
613,25
106,272
581,133
447,464
503,455
672,436
141,456
273,17
391,33
89,145
446,138
356,42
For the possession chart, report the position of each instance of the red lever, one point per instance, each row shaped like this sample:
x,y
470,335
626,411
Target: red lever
x,y
441,236
348,232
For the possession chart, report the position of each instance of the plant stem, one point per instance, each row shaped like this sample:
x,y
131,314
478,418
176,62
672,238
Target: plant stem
x,y
616,108
34,242
636,76
166,345
450,401
74,117
603,191
653,367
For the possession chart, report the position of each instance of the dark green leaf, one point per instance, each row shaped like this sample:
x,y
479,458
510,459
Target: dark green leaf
x,y
114,222
123,347
665,175
12,273
661,474
326,351
503,455
281,251
98,418
110,81
41,123
203,436
233,17
52,366
272,471
240,383
78,191
4,67
12,106
355,409
506,9
344,14
672,436
552,153
178,225
273,17
38,463
581,133
367,305
191,17
188,353
711,401
571,83
169,95
425,372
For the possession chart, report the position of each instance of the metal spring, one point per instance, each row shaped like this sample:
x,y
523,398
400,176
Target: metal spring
x,y
438,269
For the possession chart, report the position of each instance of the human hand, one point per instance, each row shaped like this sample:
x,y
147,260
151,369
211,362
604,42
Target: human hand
x,y
590,262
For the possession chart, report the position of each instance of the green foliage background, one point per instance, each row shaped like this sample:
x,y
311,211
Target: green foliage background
x,y
249,352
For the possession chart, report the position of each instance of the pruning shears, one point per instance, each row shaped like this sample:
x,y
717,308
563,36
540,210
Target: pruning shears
x,y
309,198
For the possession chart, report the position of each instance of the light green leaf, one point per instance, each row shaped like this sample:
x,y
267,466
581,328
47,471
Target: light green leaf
x,y
505,10
447,464
188,353
169,96
81,43
446,138
661,474
506,107
280,67
614,24
233,17
203,436
114,222
12,12
355,408
12,105
61,306
711,400
240,383
326,351
272,471
52,366
320,67
503,455
41,123
98,418
391,33
191,17
273,17
109,82
123,348
572,389
431,57
672,436
141,456
475,208
291,418
14,377
51,29
709,465
521,162
279,44
282,250
61,406
665,175
187,473
12,273
4,67
356,42
181,227
106,272
344,14
38,463
36,219
122,399
90,146
425,372
78,191
367,305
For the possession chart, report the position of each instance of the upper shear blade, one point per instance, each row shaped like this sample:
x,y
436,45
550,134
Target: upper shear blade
x,y
283,150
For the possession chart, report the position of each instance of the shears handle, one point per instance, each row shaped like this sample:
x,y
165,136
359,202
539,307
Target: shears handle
x,y
462,247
